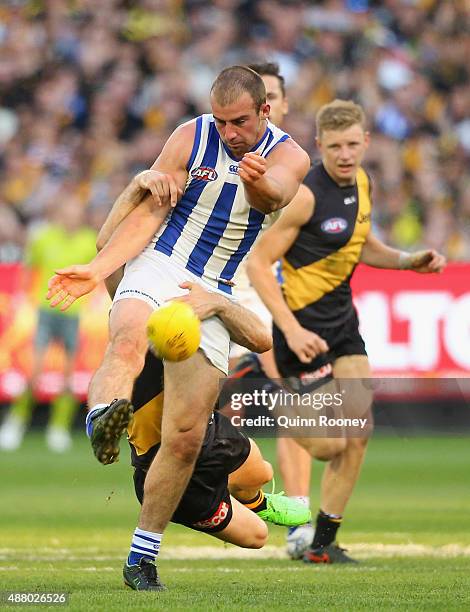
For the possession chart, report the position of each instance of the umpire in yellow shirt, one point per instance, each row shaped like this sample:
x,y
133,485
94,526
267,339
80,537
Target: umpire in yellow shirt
x,y
61,242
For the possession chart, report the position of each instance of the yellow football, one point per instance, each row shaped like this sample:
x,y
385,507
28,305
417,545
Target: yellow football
x,y
174,331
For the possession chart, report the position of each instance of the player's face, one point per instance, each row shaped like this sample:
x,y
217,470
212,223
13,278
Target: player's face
x,y
343,151
239,125
275,98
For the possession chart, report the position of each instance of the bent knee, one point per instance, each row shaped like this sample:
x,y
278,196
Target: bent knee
x,y
129,350
267,472
358,444
185,445
258,537
330,448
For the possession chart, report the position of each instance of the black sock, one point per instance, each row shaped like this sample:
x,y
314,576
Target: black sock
x,y
256,504
326,528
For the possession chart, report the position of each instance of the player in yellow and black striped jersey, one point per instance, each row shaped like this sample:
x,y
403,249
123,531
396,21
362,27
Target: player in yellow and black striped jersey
x,y
206,503
317,270
224,496
321,236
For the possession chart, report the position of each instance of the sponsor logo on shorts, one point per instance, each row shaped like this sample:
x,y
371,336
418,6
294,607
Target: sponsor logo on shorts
x,y
322,372
204,173
336,225
137,292
216,519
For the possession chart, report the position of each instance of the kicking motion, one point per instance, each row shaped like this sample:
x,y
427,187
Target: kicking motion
x,y
221,173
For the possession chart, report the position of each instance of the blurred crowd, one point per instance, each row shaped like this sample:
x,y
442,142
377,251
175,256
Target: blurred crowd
x,y
90,90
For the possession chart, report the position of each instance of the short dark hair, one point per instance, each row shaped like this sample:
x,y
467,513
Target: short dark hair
x,y
234,81
270,69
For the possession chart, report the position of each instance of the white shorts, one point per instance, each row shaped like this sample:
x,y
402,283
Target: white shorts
x,y
154,278
248,298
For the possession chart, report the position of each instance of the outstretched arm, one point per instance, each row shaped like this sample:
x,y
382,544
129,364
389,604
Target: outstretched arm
x,y
165,180
244,326
378,255
149,198
128,240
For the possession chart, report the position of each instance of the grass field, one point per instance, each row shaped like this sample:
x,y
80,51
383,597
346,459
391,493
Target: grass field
x,y
66,523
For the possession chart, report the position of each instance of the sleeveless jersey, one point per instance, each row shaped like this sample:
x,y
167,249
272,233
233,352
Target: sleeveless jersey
x,y
213,228
317,269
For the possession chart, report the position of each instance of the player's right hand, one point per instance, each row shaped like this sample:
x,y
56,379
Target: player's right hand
x,y
163,186
68,284
252,167
305,344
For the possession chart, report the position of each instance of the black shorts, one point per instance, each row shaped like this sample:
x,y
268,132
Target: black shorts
x,y
206,505
342,340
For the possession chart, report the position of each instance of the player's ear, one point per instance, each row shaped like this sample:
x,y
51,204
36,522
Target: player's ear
x,y
366,138
264,110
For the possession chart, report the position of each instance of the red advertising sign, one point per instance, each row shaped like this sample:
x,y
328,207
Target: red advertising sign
x,y
415,324
18,314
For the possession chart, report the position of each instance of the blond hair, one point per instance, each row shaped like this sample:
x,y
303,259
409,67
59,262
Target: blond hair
x,y
339,115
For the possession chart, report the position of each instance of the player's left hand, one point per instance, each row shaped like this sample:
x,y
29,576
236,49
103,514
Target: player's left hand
x,y
68,284
426,261
252,167
204,303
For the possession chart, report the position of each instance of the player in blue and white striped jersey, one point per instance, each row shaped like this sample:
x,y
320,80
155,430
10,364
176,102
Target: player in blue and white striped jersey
x,y
220,174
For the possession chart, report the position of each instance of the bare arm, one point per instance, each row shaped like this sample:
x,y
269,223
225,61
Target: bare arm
x,y
130,237
272,245
271,183
124,204
160,187
244,326
128,240
378,255
165,180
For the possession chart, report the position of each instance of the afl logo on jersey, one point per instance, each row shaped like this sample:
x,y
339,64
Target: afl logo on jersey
x,y
336,225
204,173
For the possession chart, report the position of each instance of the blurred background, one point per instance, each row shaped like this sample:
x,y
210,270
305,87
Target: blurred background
x,y
90,91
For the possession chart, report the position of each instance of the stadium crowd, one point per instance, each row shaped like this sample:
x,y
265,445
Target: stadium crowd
x,y
89,92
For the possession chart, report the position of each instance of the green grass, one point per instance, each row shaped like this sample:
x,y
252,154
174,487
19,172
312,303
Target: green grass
x,y
66,523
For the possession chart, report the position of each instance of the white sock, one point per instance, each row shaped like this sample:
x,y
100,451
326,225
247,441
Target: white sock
x,y
144,544
88,427
302,499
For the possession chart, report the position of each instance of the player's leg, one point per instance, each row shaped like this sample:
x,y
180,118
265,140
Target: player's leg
x,y
246,482
254,473
342,472
295,467
125,352
123,361
268,364
245,529
191,389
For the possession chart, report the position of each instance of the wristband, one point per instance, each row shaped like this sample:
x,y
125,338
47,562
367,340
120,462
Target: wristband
x,y
404,260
